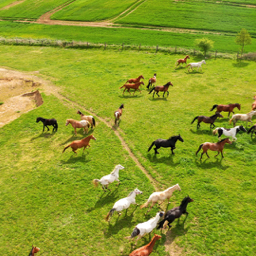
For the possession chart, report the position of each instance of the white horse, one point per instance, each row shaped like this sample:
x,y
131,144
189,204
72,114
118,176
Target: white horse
x,y
124,203
160,196
243,117
195,65
146,227
229,132
106,180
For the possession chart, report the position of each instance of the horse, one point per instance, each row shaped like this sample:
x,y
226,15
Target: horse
x,y
226,108
175,212
118,114
80,143
132,86
196,65
107,179
90,119
151,81
182,61
252,130
135,80
47,122
146,249
229,132
254,103
214,147
124,203
206,120
78,124
163,88
160,196
34,250
169,143
243,117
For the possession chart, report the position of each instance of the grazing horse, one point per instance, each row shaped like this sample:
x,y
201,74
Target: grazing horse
x,y
226,108
34,250
252,130
214,147
146,250
163,88
132,86
151,81
78,124
80,143
254,103
243,117
160,196
90,119
118,114
175,212
182,61
206,120
47,122
135,80
196,65
229,132
170,143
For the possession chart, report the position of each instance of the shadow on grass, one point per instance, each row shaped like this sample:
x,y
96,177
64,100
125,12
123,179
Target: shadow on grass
x,y
194,72
74,137
158,98
208,163
240,64
168,160
43,135
199,131
74,158
131,96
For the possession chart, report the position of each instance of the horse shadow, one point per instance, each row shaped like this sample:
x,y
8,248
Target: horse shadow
x,y
74,137
240,64
43,135
204,164
168,160
194,72
131,96
74,159
158,98
200,132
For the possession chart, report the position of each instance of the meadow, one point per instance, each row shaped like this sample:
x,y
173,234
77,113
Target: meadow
x,y
48,199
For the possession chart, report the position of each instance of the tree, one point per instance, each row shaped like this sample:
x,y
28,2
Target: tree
x,y
243,38
204,44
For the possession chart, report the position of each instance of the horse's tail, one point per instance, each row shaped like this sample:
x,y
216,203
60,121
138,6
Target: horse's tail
x,y
96,182
122,86
66,148
153,143
214,132
135,232
149,83
213,107
188,65
230,121
199,148
161,224
194,119
144,205
152,90
93,122
250,130
110,214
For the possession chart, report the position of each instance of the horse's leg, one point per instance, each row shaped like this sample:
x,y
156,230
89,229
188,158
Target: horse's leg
x,y
167,93
198,124
218,154
47,128
154,94
172,148
43,128
75,131
202,155
207,154
157,94
163,94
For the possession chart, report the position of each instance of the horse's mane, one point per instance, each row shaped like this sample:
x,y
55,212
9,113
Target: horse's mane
x,y
122,106
80,113
31,251
114,169
131,193
172,137
184,200
222,140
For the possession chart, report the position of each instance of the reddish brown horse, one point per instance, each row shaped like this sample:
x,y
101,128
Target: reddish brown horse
x,y
206,119
151,81
132,86
163,88
118,113
226,108
80,143
34,250
182,61
254,103
135,80
214,147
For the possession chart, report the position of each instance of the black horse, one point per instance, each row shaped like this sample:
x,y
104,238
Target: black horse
x,y
252,130
170,143
47,122
209,120
175,212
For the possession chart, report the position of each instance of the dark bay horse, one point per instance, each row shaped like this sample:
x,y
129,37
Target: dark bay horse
x,y
163,88
34,250
170,143
214,147
206,119
47,122
135,87
226,108
151,81
135,80
182,61
118,113
252,130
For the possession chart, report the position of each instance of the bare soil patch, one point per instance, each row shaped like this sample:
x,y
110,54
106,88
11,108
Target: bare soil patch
x,y
12,4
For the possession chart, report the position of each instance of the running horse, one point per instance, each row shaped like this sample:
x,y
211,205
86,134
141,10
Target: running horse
x,y
135,80
34,250
252,130
151,81
78,124
118,113
254,103
226,108
243,117
132,86
206,120
90,119
196,65
163,88
182,61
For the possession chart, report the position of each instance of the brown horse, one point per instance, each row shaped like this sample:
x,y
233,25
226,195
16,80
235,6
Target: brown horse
x,y
226,108
135,80
90,119
182,61
118,113
80,143
34,250
78,124
132,86
163,88
207,120
151,81
214,147
254,103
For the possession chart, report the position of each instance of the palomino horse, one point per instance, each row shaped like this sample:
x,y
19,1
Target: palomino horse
x,y
47,122
252,130
163,88
151,81
34,250
226,108
80,143
214,147
182,61
132,86
135,80
207,120
243,117
118,113
254,103
78,124
160,196
196,65
229,132
90,119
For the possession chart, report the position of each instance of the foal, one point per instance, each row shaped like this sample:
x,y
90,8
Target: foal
x,y
118,113
151,81
182,61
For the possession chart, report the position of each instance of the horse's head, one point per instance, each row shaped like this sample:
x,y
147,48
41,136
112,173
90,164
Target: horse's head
x,y
178,187
34,250
169,83
187,57
67,121
227,140
38,119
122,106
137,191
238,106
79,112
241,128
141,76
141,82
157,237
186,200
180,139
203,61
218,114
92,137
119,167
160,214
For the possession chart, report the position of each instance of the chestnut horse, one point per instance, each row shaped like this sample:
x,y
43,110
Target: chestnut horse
x,y
90,119
118,113
132,86
78,124
34,250
135,80
151,81
254,103
163,88
214,147
206,120
182,61
80,143
226,108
